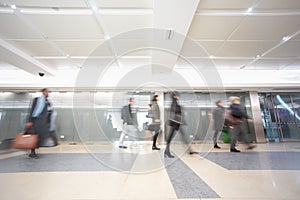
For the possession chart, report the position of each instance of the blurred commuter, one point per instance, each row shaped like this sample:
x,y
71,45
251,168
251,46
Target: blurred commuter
x,y
175,123
148,133
130,125
238,130
155,124
41,116
218,116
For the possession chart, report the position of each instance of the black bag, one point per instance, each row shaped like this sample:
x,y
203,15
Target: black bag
x,y
154,127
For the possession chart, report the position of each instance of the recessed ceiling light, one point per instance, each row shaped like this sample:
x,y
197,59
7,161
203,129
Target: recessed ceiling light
x,y
286,38
249,10
257,56
106,37
14,7
211,56
95,8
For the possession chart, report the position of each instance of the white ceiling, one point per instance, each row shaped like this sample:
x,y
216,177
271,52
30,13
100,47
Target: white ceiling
x,y
53,36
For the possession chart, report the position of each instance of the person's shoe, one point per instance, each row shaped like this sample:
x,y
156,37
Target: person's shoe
x,y
122,147
234,150
168,154
33,155
193,152
155,148
217,147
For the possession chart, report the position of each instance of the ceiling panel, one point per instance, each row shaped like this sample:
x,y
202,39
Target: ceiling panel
x,y
244,48
12,27
278,4
7,66
122,23
210,46
266,28
231,63
50,3
297,37
213,27
36,48
288,49
59,64
206,48
135,63
125,3
86,47
273,63
294,65
222,5
67,26
196,63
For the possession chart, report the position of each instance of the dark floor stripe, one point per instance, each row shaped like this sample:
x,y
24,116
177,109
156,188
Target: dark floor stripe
x,y
256,160
186,183
68,162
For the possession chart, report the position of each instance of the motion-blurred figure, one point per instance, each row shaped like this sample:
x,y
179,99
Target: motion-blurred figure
x,y
238,130
218,116
128,114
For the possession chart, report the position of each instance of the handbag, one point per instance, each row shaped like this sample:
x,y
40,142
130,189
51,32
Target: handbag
x,y
25,141
231,119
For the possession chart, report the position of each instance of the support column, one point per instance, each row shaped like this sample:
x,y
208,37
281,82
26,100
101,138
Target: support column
x,y
257,120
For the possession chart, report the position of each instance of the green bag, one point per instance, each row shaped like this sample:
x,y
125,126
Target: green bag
x,y
226,135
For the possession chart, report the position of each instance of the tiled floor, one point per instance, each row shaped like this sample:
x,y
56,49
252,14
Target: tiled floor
x,y
101,171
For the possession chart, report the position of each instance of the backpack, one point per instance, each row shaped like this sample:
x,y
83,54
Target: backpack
x,y
124,110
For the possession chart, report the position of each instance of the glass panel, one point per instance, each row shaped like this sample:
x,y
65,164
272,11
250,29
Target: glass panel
x,y
286,116
269,118
296,105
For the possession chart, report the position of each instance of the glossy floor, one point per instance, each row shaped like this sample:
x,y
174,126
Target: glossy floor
x,y
102,171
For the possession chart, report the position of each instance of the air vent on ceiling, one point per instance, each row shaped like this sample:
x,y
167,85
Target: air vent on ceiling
x,y
170,33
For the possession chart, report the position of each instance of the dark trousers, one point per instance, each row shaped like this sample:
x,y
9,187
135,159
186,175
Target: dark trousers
x,y
156,129
238,131
172,132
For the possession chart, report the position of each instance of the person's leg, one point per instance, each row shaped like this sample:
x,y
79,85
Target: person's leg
x,y
186,139
215,139
122,136
246,138
169,139
234,135
132,132
154,147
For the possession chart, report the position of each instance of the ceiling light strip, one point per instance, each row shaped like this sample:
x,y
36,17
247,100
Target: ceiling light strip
x,y
271,49
58,11
243,13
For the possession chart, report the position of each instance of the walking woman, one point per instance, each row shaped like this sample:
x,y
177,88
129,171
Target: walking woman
x,y
174,121
155,125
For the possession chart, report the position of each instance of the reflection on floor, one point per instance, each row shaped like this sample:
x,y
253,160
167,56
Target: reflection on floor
x,y
102,171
